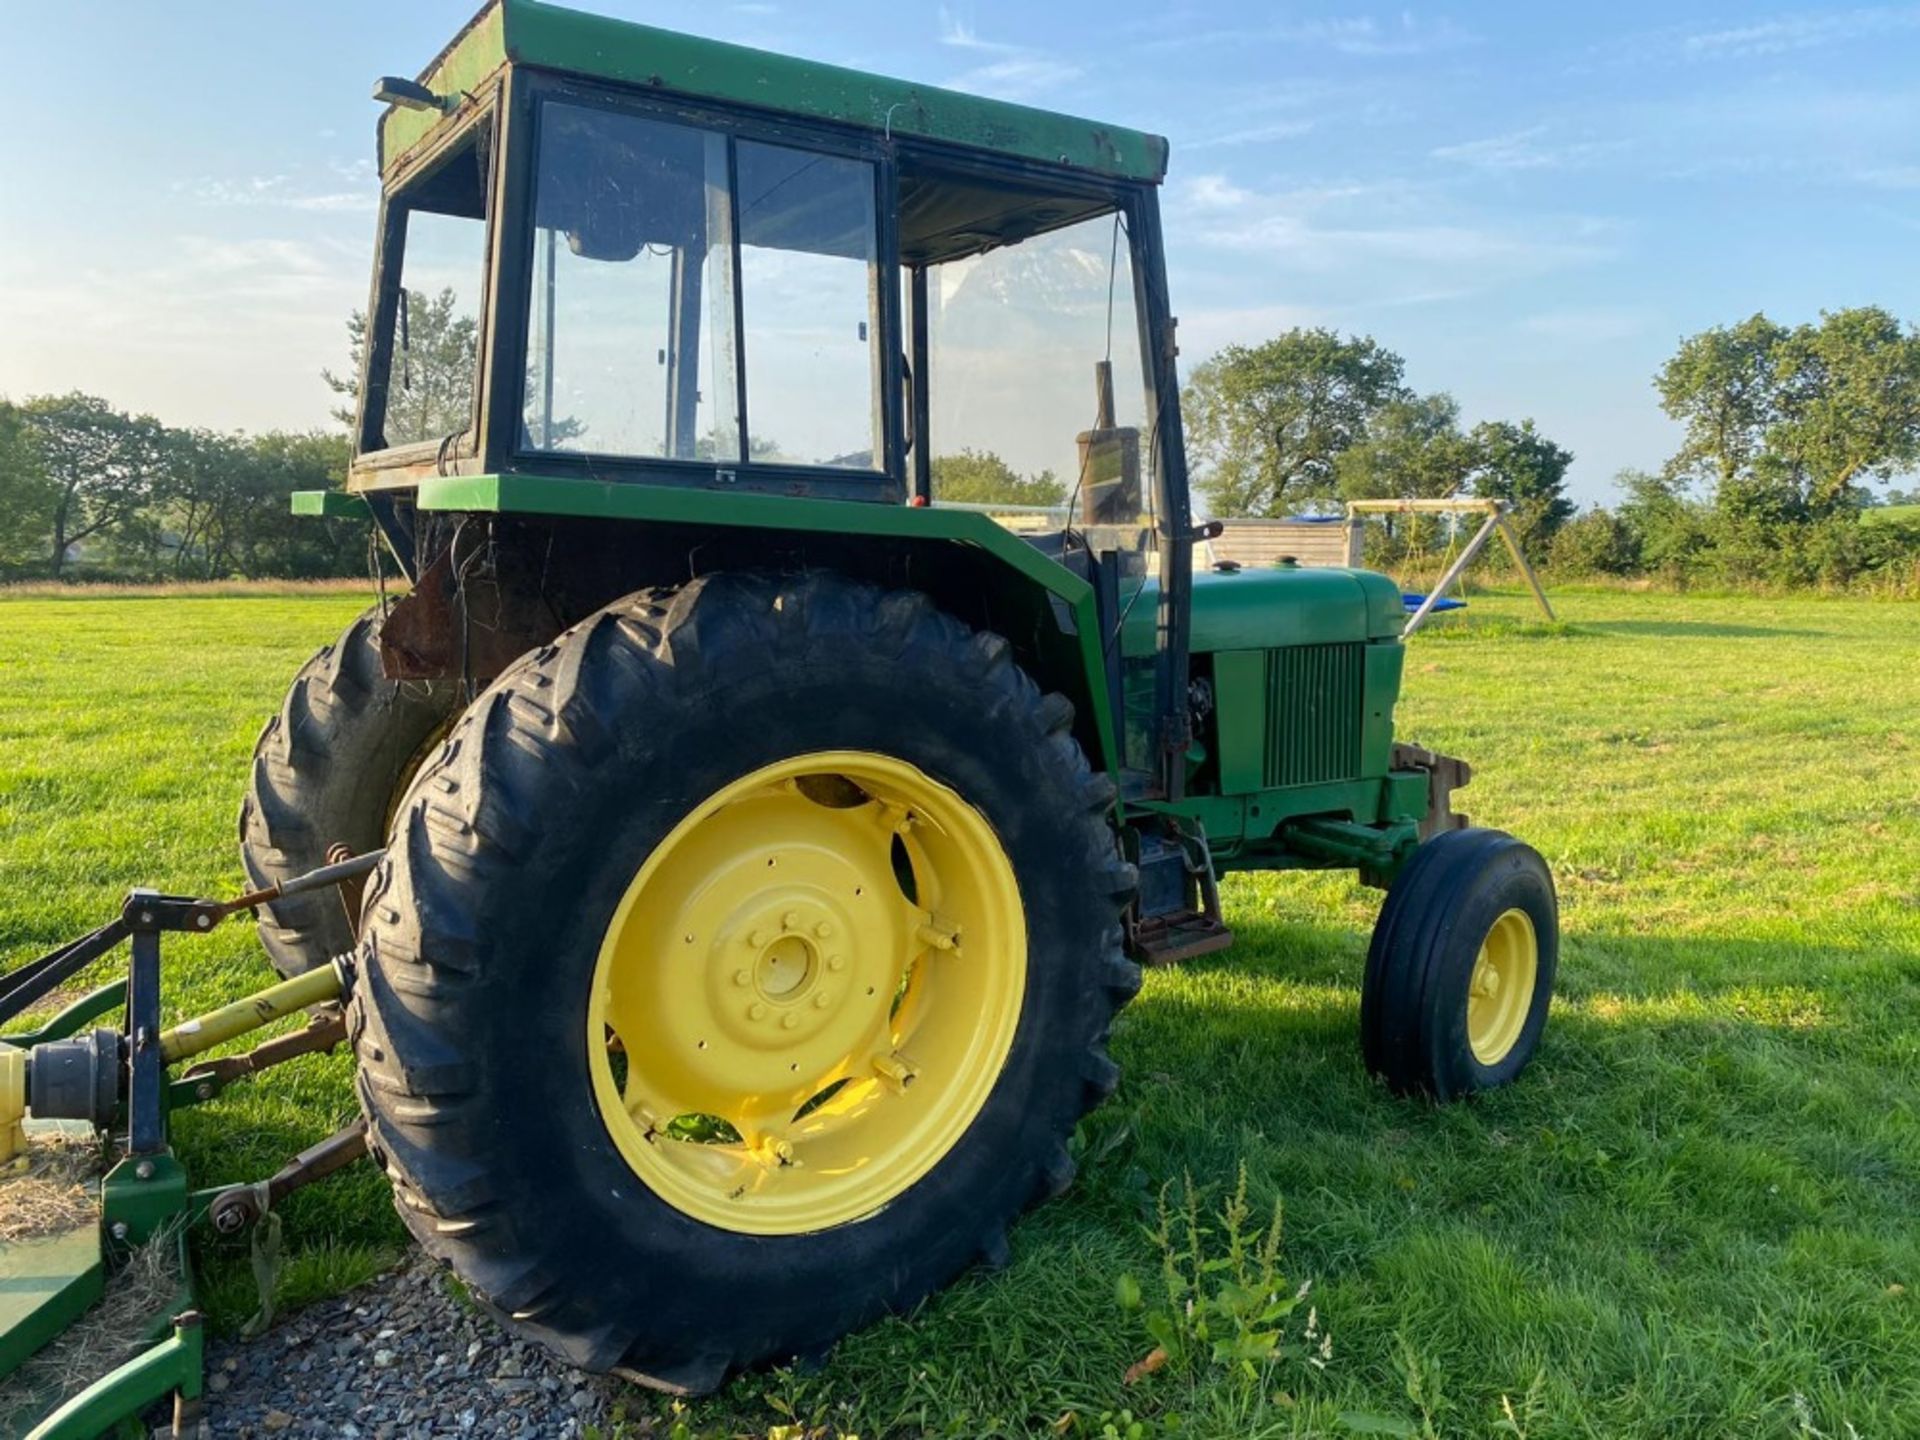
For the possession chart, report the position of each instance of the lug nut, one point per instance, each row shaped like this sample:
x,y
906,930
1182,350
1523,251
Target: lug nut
x,y
824,929
756,1011
757,939
790,920
836,962
741,977
821,1001
788,1021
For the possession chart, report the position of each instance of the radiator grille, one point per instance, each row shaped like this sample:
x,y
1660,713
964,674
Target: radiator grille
x,y
1315,698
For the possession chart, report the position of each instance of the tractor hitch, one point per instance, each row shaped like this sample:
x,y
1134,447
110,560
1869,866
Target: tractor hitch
x,y
74,1078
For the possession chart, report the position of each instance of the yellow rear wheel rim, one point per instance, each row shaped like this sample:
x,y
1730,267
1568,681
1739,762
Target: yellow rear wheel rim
x,y
807,993
1500,994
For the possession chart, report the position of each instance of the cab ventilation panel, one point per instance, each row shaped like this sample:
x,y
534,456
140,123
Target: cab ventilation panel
x,y
1315,700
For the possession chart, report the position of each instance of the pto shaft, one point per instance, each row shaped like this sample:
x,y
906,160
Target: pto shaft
x,y
192,1037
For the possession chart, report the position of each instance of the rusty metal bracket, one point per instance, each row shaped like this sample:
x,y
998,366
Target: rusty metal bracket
x,y
238,1206
326,1030
1445,774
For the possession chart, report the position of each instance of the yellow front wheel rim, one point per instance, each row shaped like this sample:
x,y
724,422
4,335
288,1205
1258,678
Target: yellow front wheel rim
x,y
807,993
1500,994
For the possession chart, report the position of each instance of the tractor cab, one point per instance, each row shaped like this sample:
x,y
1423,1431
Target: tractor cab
x,y
615,252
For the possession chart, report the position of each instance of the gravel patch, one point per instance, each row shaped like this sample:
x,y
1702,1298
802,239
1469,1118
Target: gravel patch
x,y
400,1359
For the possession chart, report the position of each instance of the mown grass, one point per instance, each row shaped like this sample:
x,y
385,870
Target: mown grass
x,y
1881,514
1694,1215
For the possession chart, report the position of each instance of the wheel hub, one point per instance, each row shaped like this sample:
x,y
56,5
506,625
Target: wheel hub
x,y
1500,992
807,946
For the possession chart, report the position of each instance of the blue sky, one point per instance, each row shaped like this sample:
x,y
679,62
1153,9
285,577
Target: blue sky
x,y
1529,201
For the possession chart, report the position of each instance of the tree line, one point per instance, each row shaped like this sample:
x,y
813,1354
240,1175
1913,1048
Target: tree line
x,y
1787,433
89,488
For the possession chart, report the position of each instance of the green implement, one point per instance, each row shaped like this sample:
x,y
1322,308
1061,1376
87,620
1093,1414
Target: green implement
x,y
111,1276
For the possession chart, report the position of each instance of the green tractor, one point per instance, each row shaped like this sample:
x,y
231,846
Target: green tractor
x,y
772,831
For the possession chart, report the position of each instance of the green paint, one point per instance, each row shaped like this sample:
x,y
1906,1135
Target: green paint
x,y
1240,718
89,1007
45,1285
174,1364
146,1204
331,505
524,32
1277,606
1347,843
605,500
465,67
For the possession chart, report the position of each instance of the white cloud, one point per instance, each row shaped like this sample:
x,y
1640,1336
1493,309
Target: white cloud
x,y
205,329
1252,135
1206,330
1524,150
1810,30
957,32
1215,192
1890,177
1020,72
1363,36
1023,77
1391,238
1406,34
279,192
1793,32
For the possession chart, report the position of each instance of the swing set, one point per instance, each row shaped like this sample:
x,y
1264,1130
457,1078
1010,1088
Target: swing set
x,y
1495,512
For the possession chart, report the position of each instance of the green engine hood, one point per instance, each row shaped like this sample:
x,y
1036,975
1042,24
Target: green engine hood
x,y
1276,606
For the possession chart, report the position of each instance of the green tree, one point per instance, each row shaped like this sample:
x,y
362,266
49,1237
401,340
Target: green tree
x,y
103,465
1665,526
1267,424
1518,464
1595,542
1411,449
1786,424
1720,385
26,493
980,477
228,510
431,377
1850,405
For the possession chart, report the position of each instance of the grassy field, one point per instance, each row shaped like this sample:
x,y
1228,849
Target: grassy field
x,y
1881,513
1694,1216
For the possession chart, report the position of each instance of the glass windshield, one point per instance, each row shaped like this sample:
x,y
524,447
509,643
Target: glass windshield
x,y
1037,395
630,346
808,266
432,358
636,305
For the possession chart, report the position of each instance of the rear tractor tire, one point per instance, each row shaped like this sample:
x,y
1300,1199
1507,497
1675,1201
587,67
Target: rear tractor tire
x,y
738,973
1460,972
329,770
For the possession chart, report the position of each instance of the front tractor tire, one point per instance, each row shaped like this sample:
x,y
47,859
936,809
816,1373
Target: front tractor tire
x,y
738,973
328,770
1460,972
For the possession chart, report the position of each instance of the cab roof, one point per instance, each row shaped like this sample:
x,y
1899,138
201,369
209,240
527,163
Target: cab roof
x,y
549,37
